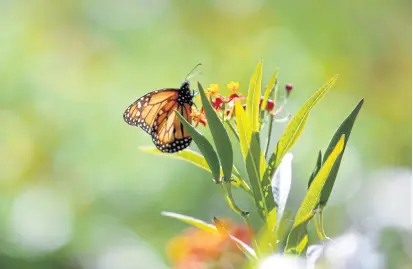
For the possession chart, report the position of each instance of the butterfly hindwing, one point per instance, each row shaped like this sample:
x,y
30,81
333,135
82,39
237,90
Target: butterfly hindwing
x,y
168,133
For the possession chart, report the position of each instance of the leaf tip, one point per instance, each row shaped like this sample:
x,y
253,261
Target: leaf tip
x,y
144,148
166,213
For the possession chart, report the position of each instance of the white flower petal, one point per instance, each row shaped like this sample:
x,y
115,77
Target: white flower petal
x,y
281,183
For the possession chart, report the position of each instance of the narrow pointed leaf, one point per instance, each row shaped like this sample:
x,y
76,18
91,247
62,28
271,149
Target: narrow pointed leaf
x,y
253,98
296,126
312,197
345,128
283,228
198,160
250,150
219,134
266,238
270,88
316,168
298,237
247,250
204,146
191,221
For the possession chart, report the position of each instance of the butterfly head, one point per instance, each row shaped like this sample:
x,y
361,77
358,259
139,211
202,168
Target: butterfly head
x,y
185,86
185,96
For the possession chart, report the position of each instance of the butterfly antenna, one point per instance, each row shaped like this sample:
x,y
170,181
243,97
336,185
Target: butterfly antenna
x,y
190,74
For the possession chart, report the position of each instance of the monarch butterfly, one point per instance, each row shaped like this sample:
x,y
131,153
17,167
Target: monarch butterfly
x,y
155,114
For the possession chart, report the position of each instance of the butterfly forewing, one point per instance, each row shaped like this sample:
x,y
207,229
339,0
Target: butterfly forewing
x,y
143,111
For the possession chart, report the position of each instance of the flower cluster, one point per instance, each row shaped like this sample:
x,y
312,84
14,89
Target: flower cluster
x,y
197,248
227,103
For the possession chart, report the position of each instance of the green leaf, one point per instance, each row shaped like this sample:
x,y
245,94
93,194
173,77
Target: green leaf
x,y
219,134
295,127
198,160
313,194
266,237
270,88
345,128
204,146
253,158
283,228
253,98
298,237
247,250
316,168
191,221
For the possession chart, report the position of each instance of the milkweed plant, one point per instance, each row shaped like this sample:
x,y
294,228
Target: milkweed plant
x,y
282,235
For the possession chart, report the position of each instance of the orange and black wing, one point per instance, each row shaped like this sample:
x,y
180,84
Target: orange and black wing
x,y
168,133
146,109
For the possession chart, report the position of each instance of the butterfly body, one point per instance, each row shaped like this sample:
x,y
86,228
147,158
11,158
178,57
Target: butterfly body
x,y
155,114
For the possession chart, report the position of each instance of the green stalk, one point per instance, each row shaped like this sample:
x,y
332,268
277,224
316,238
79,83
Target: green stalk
x,y
226,188
322,224
317,228
223,112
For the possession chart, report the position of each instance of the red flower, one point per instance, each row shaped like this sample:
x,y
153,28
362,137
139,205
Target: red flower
x,y
218,103
270,104
234,97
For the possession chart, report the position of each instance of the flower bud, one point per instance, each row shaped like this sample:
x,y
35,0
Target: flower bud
x,y
288,88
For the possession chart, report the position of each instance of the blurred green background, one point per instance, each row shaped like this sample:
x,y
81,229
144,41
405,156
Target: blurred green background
x,y
76,192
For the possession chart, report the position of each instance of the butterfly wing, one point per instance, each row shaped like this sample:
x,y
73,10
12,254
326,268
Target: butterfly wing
x,y
144,111
168,133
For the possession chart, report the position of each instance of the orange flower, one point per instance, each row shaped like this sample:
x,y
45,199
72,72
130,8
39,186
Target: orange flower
x,y
198,117
200,249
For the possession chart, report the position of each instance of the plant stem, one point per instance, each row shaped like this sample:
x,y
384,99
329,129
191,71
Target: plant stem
x,y
322,224
254,242
226,188
223,112
317,228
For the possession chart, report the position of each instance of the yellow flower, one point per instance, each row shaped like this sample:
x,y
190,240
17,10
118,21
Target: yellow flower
x,y
213,90
233,86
